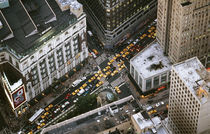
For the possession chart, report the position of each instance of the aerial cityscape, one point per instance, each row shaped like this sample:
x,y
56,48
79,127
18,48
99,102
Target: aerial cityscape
x,y
104,67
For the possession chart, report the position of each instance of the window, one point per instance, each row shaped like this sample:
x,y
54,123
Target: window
x,y
163,78
140,82
148,84
156,81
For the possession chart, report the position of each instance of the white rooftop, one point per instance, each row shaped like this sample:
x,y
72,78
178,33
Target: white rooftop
x,y
194,74
154,123
142,123
151,55
15,85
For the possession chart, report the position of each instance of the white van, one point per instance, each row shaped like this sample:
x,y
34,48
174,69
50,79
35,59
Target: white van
x,y
81,92
76,82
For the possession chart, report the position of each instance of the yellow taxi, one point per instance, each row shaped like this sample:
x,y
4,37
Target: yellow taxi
x,y
73,93
141,37
99,72
84,85
100,82
127,53
46,113
101,75
93,78
42,124
111,61
123,66
42,116
149,36
125,50
97,85
114,58
50,106
131,45
117,55
89,80
108,73
117,89
30,132
119,64
152,111
153,28
76,91
38,127
96,75
46,109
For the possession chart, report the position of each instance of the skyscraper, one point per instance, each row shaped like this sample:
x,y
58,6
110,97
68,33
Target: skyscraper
x,y
189,100
112,19
182,29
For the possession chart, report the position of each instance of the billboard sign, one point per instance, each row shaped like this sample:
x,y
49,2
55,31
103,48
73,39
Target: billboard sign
x,y
19,97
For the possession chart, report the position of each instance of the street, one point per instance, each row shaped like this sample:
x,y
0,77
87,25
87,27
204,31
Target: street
x,y
104,69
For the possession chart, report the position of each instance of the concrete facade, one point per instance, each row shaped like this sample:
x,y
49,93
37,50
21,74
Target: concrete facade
x,y
141,68
189,98
113,19
53,58
182,29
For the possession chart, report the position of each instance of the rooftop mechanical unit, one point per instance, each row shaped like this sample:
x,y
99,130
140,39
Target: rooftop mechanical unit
x,y
4,3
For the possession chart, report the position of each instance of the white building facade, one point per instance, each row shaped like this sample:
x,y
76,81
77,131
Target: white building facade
x,y
50,59
150,68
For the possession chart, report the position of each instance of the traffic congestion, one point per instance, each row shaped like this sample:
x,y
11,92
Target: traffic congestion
x,y
86,85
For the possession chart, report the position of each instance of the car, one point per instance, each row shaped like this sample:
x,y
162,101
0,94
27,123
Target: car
x,y
157,104
96,75
67,103
56,111
73,93
99,72
101,82
89,80
95,51
117,89
75,100
109,63
115,71
101,75
93,78
117,55
108,73
81,92
84,85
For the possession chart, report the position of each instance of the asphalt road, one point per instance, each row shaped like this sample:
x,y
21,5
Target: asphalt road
x,y
93,44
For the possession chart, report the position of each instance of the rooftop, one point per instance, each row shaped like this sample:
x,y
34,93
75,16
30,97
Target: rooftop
x,y
195,77
12,77
149,126
151,61
32,23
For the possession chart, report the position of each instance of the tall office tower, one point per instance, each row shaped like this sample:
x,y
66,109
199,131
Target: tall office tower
x,y
40,41
115,19
182,29
189,100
